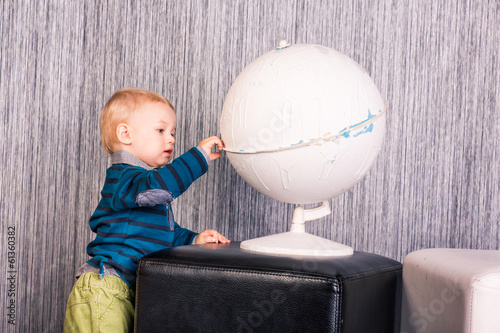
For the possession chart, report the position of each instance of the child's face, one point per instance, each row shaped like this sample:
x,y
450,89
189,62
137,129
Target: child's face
x,y
152,129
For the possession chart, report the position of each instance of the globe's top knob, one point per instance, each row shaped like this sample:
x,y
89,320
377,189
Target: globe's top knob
x,y
283,44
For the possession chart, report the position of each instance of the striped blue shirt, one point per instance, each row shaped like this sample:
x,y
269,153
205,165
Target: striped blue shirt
x,y
134,216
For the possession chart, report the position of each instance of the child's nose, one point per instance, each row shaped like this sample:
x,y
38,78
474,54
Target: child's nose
x,y
170,138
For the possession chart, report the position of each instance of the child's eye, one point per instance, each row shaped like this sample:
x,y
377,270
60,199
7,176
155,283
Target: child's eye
x,y
161,131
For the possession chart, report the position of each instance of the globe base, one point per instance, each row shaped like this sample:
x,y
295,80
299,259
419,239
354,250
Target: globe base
x,y
297,243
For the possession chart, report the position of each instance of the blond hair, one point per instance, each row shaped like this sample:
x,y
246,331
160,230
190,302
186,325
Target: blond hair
x,y
117,110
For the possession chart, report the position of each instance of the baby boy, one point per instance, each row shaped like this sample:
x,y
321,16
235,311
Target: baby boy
x,y
134,216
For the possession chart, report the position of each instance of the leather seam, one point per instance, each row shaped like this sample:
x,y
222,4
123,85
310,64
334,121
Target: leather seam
x,y
300,276
371,273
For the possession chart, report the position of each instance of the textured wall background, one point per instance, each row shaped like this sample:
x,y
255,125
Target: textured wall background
x,y
436,182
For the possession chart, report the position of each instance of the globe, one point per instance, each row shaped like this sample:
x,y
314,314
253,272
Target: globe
x,y
302,124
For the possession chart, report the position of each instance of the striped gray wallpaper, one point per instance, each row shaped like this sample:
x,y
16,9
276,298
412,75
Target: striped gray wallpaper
x,y
436,182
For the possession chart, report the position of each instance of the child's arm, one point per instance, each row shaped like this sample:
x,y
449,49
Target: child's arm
x,y
184,170
210,236
175,177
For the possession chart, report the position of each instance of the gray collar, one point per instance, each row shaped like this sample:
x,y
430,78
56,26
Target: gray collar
x,y
124,157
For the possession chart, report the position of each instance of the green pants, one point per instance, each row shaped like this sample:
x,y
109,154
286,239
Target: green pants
x,y
100,305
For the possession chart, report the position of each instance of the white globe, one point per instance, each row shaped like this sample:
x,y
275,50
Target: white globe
x,y
303,123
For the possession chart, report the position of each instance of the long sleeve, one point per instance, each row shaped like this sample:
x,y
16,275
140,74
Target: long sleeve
x,y
124,184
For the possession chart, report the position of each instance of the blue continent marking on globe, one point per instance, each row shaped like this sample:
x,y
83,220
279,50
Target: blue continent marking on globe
x,y
366,129
346,132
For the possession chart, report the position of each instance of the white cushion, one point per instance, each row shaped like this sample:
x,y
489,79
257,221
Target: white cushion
x,y
451,290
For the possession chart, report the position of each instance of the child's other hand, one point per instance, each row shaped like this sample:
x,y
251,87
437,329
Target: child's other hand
x,y
207,145
210,236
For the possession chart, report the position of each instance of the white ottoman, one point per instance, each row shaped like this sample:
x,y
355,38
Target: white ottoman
x,y
451,290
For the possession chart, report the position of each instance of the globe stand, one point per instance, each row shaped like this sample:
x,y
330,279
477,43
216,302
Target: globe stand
x,y
297,241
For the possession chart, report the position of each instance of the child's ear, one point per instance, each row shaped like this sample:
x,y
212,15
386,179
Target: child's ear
x,y
123,134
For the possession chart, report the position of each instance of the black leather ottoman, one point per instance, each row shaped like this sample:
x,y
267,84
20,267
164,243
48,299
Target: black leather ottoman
x,y
221,288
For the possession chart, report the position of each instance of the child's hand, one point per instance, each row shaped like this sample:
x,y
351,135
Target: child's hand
x,y
207,145
210,236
